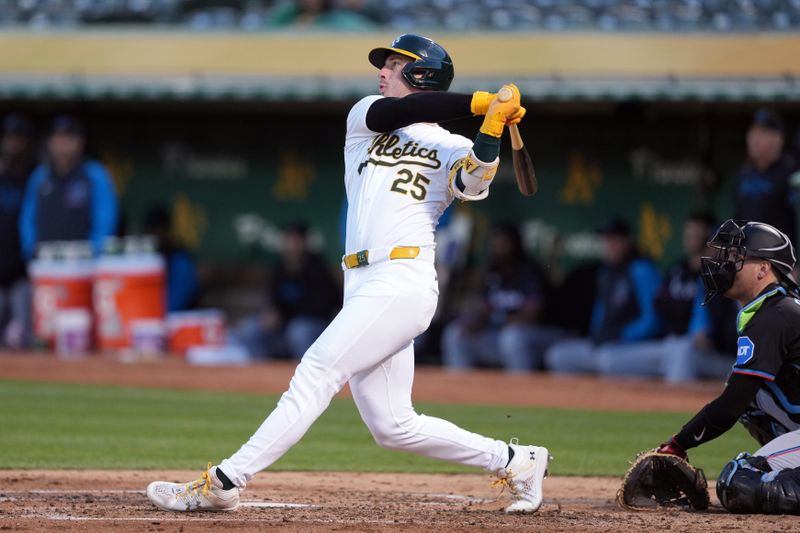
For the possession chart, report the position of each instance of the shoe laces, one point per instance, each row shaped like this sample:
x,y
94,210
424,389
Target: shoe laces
x,y
517,488
191,488
506,481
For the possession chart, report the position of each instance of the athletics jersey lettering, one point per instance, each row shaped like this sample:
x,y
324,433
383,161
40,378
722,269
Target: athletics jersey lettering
x,y
384,151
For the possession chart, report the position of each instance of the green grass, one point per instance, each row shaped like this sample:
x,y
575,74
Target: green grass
x,y
62,426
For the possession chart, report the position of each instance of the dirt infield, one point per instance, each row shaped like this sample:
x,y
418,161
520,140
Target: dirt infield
x,y
103,501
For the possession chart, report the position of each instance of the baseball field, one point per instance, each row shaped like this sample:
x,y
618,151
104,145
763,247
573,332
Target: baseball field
x,y
80,441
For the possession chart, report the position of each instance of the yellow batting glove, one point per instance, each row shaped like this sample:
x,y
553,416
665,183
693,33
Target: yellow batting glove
x,y
499,112
517,117
480,102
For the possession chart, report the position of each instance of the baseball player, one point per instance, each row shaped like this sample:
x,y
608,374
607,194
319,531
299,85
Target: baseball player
x,y
753,267
401,171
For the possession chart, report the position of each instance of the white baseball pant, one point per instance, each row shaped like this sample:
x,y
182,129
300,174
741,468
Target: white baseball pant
x,y
370,344
782,452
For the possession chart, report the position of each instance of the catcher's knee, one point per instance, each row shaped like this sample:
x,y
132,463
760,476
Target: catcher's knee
x,y
761,426
748,485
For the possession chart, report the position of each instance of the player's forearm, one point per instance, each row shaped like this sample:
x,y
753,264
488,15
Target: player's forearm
x,y
720,414
388,114
701,429
472,175
486,147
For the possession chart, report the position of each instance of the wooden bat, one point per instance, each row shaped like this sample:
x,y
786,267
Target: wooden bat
x,y
523,166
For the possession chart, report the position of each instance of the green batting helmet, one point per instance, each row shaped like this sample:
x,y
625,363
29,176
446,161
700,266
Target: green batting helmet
x,y
431,68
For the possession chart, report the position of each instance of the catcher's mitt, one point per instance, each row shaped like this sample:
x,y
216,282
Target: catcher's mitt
x,y
663,480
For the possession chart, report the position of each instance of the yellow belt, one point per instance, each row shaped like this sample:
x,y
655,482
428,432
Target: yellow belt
x,y
360,259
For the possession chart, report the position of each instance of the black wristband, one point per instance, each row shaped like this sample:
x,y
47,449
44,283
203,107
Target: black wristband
x,y
486,147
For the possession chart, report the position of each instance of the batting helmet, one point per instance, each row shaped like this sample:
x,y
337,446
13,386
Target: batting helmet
x,y
746,239
432,68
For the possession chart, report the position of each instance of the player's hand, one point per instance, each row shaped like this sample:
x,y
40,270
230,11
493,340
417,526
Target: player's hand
x,y
480,102
499,112
672,447
517,117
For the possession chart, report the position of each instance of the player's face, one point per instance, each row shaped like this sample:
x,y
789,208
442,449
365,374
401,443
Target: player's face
x,y
750,280
501,245
737,256
391,82
13,144
764,145
294,246
695,234
65,146
615,249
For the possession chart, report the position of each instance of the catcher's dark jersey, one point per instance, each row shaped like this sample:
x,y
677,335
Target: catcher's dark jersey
x,y
769,347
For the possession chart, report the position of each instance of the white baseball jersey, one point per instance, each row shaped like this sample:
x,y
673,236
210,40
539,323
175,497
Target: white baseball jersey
x,y
396,182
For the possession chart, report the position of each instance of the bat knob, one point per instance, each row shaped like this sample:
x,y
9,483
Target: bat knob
x,y
505,94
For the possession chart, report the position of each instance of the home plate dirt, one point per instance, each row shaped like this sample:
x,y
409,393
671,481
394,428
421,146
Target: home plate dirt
x,y
103,501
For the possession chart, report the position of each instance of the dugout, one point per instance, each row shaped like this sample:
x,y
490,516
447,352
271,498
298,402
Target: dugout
x,y
241,134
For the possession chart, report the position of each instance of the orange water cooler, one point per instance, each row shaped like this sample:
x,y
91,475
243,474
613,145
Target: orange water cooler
x,y
127,288
187,329
58,283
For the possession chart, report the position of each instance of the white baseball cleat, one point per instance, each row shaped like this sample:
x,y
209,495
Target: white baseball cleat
x,y
204,494
524,476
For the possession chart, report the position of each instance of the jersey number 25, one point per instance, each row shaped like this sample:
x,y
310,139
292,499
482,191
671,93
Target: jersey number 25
x,y
417,189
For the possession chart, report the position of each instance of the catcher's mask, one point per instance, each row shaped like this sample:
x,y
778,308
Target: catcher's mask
x,y
432,68
735,241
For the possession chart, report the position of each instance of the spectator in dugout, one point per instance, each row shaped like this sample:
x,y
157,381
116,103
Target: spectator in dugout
x,y
503,326
302,297
68,197
17,160
699,339
624,307
763,189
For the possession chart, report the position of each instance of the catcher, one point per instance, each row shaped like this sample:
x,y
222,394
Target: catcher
x,y
753,266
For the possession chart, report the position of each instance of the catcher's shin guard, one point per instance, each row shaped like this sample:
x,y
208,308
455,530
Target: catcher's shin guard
x,y
781,495
739,484
747,485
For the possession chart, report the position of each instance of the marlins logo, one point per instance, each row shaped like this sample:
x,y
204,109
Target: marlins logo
x,y
745,350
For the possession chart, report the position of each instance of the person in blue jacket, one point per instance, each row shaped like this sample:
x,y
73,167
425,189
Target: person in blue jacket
x,y
697,337
765,188
624,308
68,197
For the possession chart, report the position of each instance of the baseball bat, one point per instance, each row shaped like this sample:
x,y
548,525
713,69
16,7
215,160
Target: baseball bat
x,y
523,165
